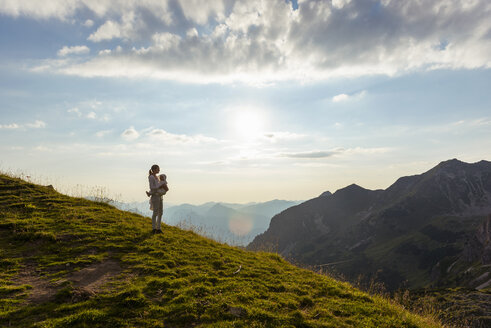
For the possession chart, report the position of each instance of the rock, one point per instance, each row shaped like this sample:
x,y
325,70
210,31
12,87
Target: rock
x,y
479,245
237,311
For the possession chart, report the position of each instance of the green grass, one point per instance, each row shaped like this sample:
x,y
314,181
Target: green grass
x,y
177,279
459,307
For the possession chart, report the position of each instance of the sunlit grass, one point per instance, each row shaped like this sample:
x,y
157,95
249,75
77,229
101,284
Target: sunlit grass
x,y
177,279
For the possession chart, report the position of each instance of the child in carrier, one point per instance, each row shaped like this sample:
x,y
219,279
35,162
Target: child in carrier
x,y
159,192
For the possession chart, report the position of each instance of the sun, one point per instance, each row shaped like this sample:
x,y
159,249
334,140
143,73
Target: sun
x,y
248,123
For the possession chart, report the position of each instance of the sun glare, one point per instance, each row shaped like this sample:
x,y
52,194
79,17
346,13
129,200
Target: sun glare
x,y
248,123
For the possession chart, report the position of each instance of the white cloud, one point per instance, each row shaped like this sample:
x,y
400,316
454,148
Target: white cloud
x,y
312,154
109,30
11,126
44,149
480,122
339,4
340,97
192,33
130,134
66,9
127,29
36,125
344,97
164,136
261,41
75,50
165,41
89,23
102,133
60,9
93,110
14,126
200,11
75,110
369,151
283,136
335,152
104,52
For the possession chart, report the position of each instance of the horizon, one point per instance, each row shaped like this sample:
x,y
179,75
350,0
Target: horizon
x,y
243,101
90,191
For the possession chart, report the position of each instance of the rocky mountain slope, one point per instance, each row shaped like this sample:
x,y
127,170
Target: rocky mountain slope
x,y
430,229
71,262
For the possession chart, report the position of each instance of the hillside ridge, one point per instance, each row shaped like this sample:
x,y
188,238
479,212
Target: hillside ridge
x,y
73,262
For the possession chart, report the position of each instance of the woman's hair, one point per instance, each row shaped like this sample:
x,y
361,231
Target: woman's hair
x,y
154,168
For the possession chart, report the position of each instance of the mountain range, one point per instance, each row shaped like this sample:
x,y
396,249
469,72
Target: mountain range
x,y
232,223
431,229
235,224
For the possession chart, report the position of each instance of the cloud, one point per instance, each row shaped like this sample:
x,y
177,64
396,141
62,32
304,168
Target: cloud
x,y
344,97
94,110
339,4
261,41
164,136
11,126
75,110
312,154
77,50
479,122
275,137
130,134
102,133
36,125
335,152
89,23
340,97
14,126
110,30
374,150
60,9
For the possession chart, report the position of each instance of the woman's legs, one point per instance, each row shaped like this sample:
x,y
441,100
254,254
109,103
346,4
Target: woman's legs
x,y
158,207
160,212
155,207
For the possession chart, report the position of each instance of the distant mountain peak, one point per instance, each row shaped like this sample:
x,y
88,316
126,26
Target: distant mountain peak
x,y
454,166
351,188
325,193
219,206
451,163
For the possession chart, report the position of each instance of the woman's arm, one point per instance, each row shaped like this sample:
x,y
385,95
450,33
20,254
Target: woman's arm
x,y
154,183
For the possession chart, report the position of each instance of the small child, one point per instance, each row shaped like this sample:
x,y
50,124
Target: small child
x,y
159,192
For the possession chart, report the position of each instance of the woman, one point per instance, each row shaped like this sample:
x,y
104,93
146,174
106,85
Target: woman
x,y
156,199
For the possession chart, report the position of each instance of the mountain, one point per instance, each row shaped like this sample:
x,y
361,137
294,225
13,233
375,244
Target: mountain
x,y
72,262
235,224
270,208
424,230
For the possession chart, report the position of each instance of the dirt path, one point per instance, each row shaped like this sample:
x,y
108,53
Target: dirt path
x,y
92,278
86,282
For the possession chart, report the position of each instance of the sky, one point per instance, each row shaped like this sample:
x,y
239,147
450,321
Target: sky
x,y
241,101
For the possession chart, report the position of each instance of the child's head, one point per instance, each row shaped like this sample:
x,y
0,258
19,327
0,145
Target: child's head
x,y
163,177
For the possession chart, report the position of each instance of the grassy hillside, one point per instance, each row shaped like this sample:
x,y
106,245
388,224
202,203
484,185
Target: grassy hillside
x,y
70,262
